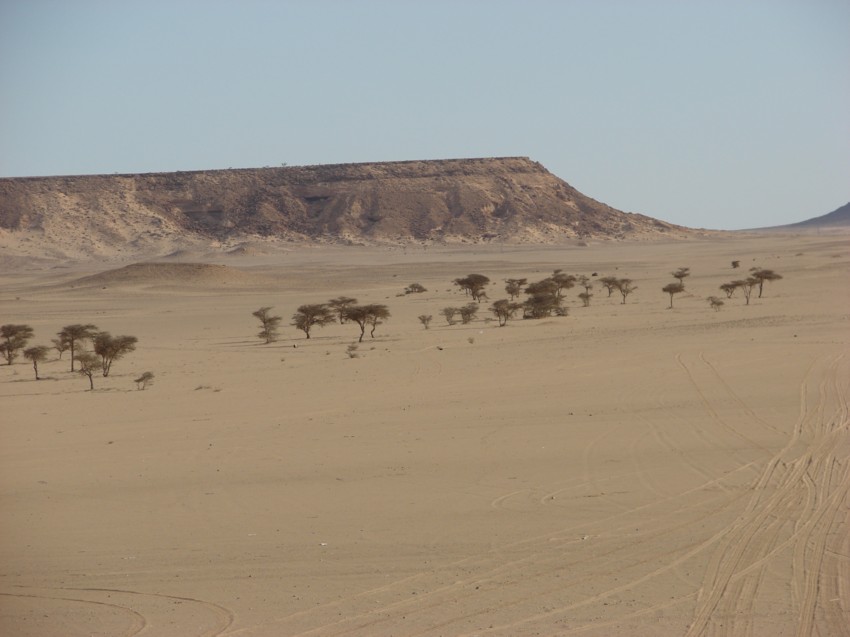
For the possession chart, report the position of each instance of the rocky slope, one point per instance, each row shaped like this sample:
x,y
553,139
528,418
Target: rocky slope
x,y
510,199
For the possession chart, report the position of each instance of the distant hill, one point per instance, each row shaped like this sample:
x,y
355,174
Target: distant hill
x,y
510,199
839,217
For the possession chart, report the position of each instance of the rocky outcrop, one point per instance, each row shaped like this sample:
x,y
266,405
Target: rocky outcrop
x,y
509,199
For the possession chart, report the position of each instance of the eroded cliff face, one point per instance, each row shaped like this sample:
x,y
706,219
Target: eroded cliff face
x,y
499,199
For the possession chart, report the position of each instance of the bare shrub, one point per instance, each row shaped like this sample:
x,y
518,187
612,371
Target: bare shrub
x,y
715,303
144,381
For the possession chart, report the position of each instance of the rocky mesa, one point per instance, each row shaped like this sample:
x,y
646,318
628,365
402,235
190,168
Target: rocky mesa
x,y
511,199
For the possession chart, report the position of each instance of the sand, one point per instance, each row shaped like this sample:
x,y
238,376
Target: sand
x,y
626,470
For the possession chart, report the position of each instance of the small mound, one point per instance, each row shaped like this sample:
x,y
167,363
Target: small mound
x,y
196,274
251,249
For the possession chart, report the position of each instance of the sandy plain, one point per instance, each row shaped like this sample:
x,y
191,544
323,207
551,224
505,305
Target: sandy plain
x,y
625,470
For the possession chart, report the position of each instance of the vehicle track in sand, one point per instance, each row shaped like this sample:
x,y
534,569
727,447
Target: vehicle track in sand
x,y
789,503
190,616
795,507
136,620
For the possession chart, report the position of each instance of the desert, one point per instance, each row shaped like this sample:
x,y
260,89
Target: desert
x,y
625,469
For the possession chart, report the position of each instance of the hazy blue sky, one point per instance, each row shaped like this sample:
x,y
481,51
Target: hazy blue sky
x,y
708,113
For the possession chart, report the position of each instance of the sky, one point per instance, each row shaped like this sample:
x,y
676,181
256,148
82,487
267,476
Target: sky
x,y
707,113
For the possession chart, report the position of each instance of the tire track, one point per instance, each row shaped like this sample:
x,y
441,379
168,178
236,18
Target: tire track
x,y
224,616
489,566
138,622
804,483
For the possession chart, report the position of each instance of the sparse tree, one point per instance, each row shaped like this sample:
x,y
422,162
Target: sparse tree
x,y
111,348
468,312
762,275
609,283
36,354
473,284
363,315
425,319
144,381
747,286
585,298
313,314
681,274
60,346
415,288
672,289
542,305
339,304
729,288
514,287
75,335
715,303
546,287
505,310
449,313
586,283
88,366
562,281
14,339
269,324
377,315
625,287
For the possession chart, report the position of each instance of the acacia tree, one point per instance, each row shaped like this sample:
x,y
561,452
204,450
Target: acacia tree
x,y
111,348
562,281
339,304
747,286
449,313
585,298
468,312
425,319
61,346
269,324
672,289
473,285
88,366
415,288
586,283
514,287
762,275
609,283
505,310
715,303
542,305
36,354
75,335
625,287
681,274
314,314
15,338
729,288
373,314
